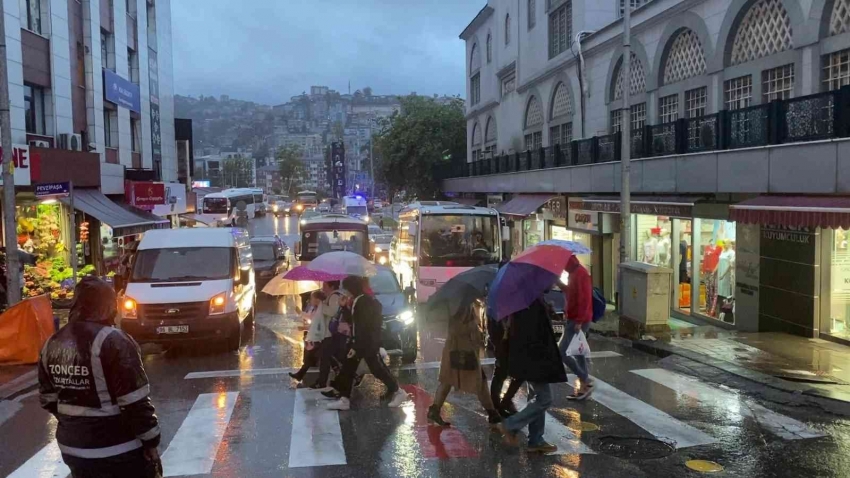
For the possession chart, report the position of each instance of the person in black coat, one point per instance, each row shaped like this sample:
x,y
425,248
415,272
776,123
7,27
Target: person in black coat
x,y
534,358
366,320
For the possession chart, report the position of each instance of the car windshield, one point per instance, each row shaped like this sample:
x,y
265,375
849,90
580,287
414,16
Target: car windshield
x,y
360,210
454,240
384,282
320,242
215,205
262,251
183,263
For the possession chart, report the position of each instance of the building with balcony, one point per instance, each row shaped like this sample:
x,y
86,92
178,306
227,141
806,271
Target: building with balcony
x,y
738,123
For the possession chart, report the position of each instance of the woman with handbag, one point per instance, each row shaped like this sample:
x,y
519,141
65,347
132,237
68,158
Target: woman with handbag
x,y
460,367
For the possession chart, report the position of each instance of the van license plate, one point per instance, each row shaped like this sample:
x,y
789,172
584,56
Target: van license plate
x,y
173,329
558,329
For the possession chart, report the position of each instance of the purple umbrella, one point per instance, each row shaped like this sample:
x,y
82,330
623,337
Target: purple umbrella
x,y
303,273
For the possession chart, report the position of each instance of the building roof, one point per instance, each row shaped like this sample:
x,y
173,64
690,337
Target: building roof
x,y
476,22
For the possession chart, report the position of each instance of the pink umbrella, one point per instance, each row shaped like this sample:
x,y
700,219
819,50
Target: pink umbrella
x,y
302,273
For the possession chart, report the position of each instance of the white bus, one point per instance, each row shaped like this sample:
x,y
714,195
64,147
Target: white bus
x,y
223,205
436,240
260,207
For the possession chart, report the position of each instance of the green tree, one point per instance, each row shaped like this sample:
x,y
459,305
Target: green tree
x,y
412,145
291,167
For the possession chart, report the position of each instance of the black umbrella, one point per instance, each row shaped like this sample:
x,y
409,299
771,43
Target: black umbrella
x,y
459,292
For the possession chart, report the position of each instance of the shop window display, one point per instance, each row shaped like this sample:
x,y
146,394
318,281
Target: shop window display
x,y
533,231
715,241
654,245
839,286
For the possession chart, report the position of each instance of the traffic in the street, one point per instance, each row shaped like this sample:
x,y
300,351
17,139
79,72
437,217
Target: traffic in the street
x,y
237,412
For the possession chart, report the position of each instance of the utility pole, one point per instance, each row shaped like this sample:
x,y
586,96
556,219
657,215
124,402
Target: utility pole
x,y
371,158
626,150
13,272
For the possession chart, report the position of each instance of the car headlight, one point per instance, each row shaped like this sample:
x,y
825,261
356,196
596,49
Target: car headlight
x,y
299,207
406,317
274,208
303,221
378,249
129,308
218,303
382,260
366,218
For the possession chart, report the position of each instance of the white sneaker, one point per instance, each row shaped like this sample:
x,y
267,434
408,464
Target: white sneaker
x,y
341,404
399,397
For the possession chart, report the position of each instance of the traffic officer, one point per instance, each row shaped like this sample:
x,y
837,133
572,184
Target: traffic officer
x,y
92,380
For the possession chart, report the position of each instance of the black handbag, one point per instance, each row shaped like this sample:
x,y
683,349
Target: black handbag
x,y
463,360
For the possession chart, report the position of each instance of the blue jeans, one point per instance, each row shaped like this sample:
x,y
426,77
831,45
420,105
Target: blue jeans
x,y
578,364
534,414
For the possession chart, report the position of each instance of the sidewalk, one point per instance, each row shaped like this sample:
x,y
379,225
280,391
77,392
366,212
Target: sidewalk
x,y
786,362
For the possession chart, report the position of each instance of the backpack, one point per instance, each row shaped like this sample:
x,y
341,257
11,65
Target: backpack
x,y
599,304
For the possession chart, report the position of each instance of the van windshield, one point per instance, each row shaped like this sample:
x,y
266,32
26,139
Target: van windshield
x,y
173,264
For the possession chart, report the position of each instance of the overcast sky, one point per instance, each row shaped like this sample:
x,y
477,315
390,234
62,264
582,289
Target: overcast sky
x,y
270,50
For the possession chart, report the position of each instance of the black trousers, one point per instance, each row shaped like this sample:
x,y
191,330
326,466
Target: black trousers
x,y
132,464
376,366
311,359
500,374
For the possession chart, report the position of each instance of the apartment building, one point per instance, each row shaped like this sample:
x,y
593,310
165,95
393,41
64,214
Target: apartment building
x,y
738,124
93,76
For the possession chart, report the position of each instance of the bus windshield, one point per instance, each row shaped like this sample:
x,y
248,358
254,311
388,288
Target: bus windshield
x,y
308,197
215,205
451,240
358,210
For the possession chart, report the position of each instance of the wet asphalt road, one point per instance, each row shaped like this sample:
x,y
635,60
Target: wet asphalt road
x,y
245,418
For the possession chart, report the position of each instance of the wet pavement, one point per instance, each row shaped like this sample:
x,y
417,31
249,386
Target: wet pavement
x,y
237,414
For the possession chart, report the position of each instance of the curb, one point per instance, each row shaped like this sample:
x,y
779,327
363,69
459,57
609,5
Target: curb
x,y
663,350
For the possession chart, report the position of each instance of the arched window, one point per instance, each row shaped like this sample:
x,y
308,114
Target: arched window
x,y
473,58
489,48
476,135
533,124
490,130
685,59
508,29
839,21
764,30
637,80
561,116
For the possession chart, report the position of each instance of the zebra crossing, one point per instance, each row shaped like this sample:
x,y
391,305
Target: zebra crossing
x,y
316,434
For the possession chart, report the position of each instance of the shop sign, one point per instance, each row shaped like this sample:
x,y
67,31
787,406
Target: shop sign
x,y
47,190
201,183
144,194
176,203
580,218
794,244
121,91
557,207
26,167
649,208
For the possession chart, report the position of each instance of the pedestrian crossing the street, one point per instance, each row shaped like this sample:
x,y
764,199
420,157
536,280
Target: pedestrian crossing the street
x,y
316,437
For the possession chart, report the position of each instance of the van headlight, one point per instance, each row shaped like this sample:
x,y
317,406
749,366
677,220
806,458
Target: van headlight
x,y
406,317
378,249
129,308
218,303
382,260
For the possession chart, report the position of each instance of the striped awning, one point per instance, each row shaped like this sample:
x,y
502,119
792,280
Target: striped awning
x,y
831,212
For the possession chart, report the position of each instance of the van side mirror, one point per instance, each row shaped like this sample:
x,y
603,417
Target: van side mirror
x,y
506,233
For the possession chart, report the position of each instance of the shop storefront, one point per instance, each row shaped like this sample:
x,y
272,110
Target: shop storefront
x,y
527,219
600,232
793,266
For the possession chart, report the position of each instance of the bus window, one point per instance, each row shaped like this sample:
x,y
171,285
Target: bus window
x,y
216,206
459,240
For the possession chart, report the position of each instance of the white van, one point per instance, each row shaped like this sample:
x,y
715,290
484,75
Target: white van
x,y
356,206
190,284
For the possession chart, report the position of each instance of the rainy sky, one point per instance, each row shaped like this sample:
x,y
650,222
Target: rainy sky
x,y
270,50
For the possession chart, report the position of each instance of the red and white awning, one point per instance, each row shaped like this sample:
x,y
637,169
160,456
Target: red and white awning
x,y
831,212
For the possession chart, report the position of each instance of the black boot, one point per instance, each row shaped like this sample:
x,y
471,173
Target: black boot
x,y
434,417
493,417
296,376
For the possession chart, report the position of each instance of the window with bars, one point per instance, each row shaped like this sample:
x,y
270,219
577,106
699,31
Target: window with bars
x,y
560,29
638,116
561,134
532,14
836,70
668,109
475,89
635,4
777,83
738,92
695,101
616,121
534,141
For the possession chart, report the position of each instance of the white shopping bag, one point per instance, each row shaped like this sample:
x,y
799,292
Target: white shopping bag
x,y
578,345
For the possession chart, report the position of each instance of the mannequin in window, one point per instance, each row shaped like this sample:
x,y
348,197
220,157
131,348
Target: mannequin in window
x,y
664,248
650,246
726,282
683,259
711,257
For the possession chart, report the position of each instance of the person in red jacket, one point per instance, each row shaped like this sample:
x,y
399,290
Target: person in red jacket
x,y
579,315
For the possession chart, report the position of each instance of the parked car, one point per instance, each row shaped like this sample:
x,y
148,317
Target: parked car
x,y
399,337
190,285
270,258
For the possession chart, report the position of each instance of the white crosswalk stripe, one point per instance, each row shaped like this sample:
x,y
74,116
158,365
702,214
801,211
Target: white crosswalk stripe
x,y
194,447
780,425
651,419
316,435
47,463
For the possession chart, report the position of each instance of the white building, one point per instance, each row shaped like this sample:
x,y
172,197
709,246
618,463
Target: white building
x,y
98,69
740,127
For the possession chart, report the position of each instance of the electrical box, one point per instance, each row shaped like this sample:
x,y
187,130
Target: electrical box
x,y
646,293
